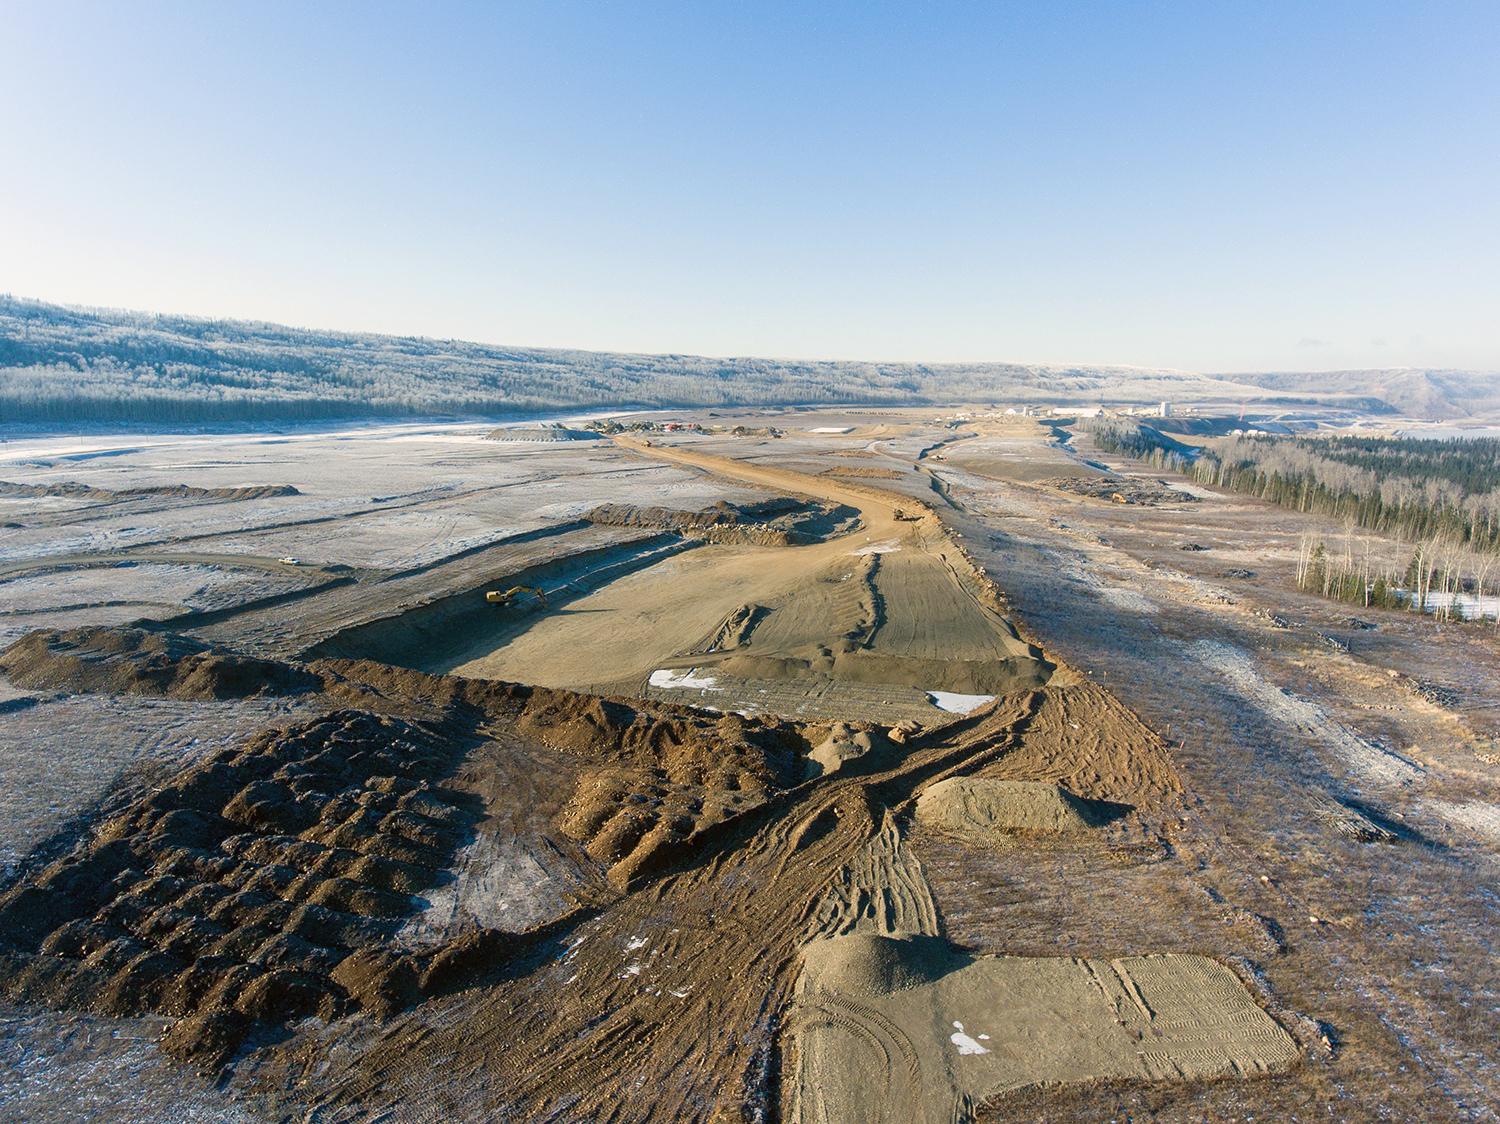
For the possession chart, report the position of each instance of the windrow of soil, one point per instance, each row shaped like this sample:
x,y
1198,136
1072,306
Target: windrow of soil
x,y
75,490
779,521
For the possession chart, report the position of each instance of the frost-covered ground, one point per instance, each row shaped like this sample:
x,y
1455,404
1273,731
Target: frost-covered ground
x,y
378,500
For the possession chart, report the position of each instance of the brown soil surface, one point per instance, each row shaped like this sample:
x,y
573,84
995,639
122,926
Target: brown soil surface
x,y
302,873
858,472
977,806
817,896
896,605
905,1029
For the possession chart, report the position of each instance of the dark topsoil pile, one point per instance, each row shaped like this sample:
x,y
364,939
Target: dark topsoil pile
x,y
137,662
266,883
1120,489
780,521
73,490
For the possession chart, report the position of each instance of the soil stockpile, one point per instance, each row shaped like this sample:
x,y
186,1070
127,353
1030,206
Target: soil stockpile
x,y
239,893
780,521
133,661
541,433
979,807
72,490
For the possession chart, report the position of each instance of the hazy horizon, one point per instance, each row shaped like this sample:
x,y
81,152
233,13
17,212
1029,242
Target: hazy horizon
x,y
1171,187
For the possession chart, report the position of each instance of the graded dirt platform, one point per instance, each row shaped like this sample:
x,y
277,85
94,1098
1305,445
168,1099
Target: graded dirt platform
x,y
905,1029
867,623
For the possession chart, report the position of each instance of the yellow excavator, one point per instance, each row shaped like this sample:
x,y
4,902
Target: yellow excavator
x,y
508,597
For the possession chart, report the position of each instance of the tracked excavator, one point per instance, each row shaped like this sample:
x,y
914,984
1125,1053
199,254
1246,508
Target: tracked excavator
x,y
508,597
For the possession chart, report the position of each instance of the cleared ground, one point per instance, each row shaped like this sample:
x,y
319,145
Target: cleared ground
x,y
893,606
1171,853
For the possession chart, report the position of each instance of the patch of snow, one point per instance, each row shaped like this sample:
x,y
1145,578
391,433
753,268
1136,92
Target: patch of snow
x,y
832,429
634,943
666,677
1472,607
886,546
966,1044
955,703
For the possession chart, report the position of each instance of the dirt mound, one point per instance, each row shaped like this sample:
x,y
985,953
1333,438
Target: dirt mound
x,y
843,744
874,964
541,433
235,894
735,630
173,491
974,806
780,521
667,780
1090,743
135,661
863,472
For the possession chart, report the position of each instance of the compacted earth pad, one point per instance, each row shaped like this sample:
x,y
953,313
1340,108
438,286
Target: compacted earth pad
x,y
905,1029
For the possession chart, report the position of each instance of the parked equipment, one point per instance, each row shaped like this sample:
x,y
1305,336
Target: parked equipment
x,y
508,597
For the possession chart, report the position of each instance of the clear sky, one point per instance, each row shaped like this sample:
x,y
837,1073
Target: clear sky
x,y
1204,185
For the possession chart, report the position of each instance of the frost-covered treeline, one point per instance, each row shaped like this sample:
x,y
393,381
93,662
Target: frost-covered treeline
x,y
66,364
1415,489
62,364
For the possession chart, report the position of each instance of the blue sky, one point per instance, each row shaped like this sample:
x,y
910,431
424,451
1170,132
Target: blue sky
x,y
1214,186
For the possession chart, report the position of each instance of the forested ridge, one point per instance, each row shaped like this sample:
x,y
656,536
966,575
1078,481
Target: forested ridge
x,y
69,365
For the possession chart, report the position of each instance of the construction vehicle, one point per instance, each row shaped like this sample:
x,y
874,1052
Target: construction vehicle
x,y
508,597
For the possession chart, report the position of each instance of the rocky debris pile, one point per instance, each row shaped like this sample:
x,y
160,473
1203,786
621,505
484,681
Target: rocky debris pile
x,y
1120,489
1357,822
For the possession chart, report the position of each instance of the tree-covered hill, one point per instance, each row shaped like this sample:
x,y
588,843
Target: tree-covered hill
x,y
73,365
